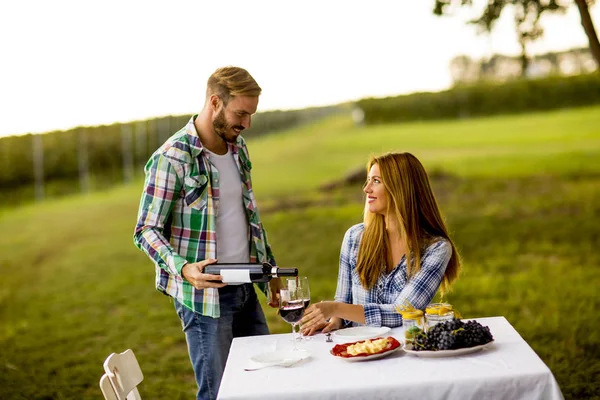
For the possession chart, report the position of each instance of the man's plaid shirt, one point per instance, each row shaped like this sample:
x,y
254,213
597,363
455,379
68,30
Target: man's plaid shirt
x,y
393,288
177,215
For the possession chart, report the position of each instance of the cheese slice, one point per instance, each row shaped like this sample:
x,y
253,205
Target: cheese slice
x,y
368,346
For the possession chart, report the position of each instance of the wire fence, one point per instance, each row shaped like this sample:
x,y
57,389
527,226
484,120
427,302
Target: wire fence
x,y
86,159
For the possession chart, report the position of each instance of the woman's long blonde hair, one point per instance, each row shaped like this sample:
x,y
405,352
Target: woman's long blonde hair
x,y
412,203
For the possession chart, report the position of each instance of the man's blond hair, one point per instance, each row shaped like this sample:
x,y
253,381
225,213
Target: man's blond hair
x,y
228,82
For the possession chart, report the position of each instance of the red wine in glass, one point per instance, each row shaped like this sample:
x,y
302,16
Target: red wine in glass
x,y
291,309
293,312
306,303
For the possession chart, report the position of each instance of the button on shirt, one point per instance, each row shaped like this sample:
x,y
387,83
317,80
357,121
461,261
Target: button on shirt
x,y
391,288
177,215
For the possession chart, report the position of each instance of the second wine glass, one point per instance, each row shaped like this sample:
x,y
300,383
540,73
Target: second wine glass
x,y
304,293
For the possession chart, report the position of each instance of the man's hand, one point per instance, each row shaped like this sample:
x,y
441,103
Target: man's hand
x,y
192,272
316,318
275,285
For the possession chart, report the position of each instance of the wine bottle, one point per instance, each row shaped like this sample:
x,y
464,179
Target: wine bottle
x,y
237,273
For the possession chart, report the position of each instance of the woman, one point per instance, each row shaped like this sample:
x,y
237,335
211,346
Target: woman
x,y
400,254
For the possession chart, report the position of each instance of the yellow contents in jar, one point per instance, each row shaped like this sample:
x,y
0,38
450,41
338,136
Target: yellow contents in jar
x,y
368,346
438,309
412,314
412,320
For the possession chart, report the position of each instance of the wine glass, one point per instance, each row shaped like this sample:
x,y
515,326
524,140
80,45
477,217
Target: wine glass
x,y
291,309
304,293
299,284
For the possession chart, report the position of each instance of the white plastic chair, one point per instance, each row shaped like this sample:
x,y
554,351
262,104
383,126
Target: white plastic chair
x,y
107,389
122,376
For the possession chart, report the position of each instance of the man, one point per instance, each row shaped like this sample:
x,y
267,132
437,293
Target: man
x,y
198,206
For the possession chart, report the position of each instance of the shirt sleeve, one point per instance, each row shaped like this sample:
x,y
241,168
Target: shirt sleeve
x,y
343,291
161,189
419,290
270,257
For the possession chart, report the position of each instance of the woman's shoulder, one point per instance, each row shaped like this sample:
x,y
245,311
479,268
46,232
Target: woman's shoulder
x,y
353,235
438,244
355,231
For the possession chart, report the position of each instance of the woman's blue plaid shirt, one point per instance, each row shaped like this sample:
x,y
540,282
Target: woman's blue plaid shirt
x,y
393,288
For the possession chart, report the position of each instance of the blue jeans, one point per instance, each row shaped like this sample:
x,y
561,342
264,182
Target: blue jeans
x,y
209,339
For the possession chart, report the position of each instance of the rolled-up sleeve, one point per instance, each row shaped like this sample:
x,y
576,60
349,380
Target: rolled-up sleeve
x,y
161,190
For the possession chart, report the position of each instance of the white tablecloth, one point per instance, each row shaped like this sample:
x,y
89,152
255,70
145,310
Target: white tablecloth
x,y
508,369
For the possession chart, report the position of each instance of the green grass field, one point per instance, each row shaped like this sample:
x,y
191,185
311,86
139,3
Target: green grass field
x,y
521,195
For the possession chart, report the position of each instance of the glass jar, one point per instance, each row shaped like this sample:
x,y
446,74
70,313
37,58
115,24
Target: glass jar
x,y
436,313
412,323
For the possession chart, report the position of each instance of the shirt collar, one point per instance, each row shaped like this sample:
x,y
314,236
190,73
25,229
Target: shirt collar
x,y
196,145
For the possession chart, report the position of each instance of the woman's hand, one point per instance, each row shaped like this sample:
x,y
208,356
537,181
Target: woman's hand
x,y
320,316
333,324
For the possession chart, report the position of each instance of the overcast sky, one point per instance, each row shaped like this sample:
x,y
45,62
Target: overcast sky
x,y
72,63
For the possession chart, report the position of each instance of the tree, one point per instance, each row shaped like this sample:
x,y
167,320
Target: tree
x,y
588,27
527,17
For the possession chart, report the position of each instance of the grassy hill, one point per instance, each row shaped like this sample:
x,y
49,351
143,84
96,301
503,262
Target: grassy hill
x,y
542,143
521,195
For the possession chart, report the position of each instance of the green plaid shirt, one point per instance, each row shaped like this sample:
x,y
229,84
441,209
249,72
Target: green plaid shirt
x,y
177,215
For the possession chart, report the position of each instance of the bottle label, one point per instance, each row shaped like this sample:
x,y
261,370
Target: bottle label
x,y
233,276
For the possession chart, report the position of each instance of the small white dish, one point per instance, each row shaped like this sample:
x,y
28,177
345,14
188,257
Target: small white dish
x,y
359,333
445,353
282,357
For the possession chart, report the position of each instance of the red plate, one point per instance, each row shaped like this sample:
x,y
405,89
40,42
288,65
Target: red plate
x,y
339,350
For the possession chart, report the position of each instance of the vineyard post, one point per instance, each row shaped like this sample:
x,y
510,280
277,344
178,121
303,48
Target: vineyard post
x,y
83,162
38,166
126,152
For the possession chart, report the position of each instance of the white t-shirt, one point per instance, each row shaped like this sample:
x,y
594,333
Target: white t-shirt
x,y
232,224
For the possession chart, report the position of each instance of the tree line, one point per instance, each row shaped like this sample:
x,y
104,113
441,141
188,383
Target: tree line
x,y
89,158
486,98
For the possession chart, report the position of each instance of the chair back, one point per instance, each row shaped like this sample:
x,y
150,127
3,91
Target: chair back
x,y
124,374
107,389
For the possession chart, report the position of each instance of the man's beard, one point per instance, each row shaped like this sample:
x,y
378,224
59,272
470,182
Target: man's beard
x,y
223,129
